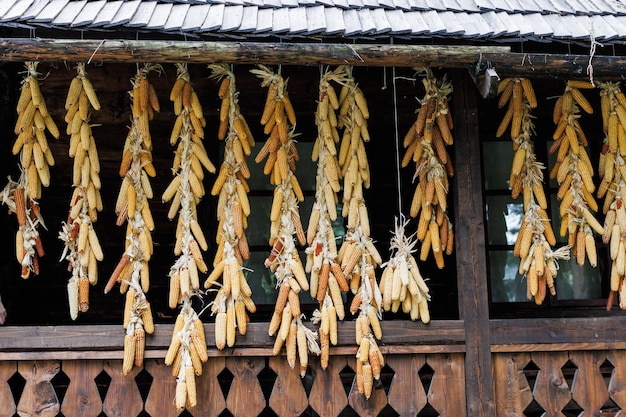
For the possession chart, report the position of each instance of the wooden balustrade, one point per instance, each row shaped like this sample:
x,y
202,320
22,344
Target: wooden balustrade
x,y
413,384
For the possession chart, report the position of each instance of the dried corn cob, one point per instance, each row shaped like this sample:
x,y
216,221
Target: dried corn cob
x,y
535,240
234,295
132,271
82,248
426,144
611,169
575,171
279,124
401,282
35,158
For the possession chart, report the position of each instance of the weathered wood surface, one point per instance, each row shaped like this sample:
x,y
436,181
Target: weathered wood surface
x,y
159,401
447,388
470,249
245,397
327,397
38,398
243,52
560,383
123,398
537,65
406,335
407,394
590,330
288,397
82,398
511,386
7,369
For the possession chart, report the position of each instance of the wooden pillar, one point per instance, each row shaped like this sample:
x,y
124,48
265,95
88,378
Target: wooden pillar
x,y
470,244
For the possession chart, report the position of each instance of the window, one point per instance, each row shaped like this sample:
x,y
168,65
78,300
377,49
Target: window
x,y
575,285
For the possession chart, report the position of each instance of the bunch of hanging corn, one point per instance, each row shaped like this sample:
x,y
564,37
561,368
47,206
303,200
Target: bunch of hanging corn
x,y
186,354
612,170
357,256
187,349
233,300
535,239
327,278
425,144
401,283
279,122
35,160
186,189
574,173
82,248
132,206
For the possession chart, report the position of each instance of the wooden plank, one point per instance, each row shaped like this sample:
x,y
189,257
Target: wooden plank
x,y
447,389
557,347
245,397
7,369
617,385
551,389
123,398
510,384
38,397
163,389
560,330
589,389
288,398
211,401
471,261
327,397
406,394
398,335
81,397
19,49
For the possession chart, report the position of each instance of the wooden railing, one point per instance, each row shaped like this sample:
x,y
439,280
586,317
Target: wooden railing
x,y
76,371
239,386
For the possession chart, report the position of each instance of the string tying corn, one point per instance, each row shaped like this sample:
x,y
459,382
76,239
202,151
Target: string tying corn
x,y
233,300
279,123
535,240
574,173
36,159
322,250
132,207
425,144
82,249
401,283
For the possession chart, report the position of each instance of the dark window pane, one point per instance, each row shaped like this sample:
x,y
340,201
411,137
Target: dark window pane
x,y
497,158
504,217
507,285
574,282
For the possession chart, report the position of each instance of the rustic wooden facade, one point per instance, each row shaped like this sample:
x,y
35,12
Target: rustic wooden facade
x,y
469,361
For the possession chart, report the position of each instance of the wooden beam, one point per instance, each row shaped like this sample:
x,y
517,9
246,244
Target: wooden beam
x,y
471,262
534,65
558,330
399,336
158,51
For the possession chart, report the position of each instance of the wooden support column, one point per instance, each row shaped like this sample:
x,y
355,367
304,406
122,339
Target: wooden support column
x,y
470,245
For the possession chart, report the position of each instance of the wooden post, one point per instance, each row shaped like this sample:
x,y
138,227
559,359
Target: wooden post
x,y
470,254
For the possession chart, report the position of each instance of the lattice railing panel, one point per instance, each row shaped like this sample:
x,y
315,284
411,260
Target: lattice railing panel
x,y
410,385
560,383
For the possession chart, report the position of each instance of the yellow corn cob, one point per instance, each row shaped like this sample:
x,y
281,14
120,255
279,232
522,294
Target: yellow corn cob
x,y
129,354
220,330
